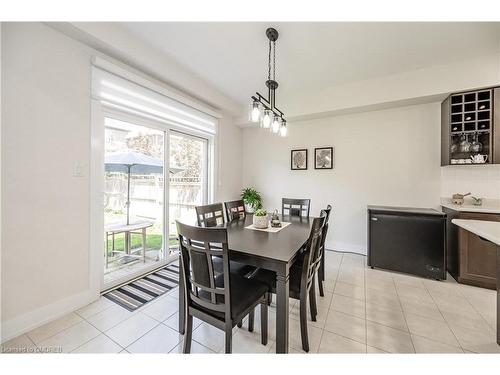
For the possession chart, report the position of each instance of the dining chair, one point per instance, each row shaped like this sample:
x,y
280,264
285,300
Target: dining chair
x,y
235,210
302,278
321,270
220,300
295,207
210,215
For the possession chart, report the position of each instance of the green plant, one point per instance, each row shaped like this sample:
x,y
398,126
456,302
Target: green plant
x,y
252,197
260,212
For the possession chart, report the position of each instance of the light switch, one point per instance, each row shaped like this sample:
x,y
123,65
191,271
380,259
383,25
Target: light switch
x,y
77,169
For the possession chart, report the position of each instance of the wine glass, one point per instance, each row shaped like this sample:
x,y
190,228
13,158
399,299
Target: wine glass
x,y
476,146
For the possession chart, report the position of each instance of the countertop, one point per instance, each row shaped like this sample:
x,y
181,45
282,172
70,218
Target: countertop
x,y
489,230
490,206
406,210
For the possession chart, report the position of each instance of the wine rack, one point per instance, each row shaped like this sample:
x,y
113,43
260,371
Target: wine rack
x,y
468,119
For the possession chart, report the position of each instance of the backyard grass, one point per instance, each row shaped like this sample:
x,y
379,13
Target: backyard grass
x,y
153,242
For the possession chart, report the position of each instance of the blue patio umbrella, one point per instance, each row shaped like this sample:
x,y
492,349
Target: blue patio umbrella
x,y
133,162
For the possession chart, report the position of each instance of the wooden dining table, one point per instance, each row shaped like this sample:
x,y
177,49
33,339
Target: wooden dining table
x,y
273,251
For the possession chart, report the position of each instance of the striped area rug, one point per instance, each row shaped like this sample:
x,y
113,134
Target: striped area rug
x,y
141,291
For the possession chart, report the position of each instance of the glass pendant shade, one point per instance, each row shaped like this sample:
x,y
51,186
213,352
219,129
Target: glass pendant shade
x,y
275,127
266,119
254,112
283,129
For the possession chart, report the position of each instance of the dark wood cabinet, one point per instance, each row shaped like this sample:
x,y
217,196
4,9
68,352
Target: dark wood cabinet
x,y
470,259
470,125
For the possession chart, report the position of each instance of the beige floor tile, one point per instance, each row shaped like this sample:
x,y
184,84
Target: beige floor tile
x,y
476,341
249,343
388,339
209,336
295,340
324,302
454,304
376,274
173,322
424,345
346,325
20,344
50,329
320,317
348,305
99,344
373,350
161,339
349,290
109,317
384,285
95,307
474,321
430,328
162,309
196,348
387,316
413,293
425,309
401,279
71,338
332,343
383,299
128,331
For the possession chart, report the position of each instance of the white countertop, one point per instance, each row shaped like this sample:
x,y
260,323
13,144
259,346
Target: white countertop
x,y
490,206
489,230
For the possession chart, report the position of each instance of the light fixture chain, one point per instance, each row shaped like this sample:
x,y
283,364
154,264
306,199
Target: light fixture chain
x,y
269,62
274,60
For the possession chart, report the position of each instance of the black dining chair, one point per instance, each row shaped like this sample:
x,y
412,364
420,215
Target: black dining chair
x,y
295,207
221,300
321,270
235,210
302,277
210,215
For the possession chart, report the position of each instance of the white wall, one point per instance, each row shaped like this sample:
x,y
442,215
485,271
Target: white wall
x,y
389,157
45,210
481,180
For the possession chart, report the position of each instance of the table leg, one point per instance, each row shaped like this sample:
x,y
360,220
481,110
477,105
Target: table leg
x,y
144,245
282,311
181,300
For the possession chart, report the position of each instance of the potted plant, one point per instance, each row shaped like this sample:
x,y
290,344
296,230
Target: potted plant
x,y
260,219
252,199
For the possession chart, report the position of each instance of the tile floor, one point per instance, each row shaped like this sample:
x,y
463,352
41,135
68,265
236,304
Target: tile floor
x,y
363,311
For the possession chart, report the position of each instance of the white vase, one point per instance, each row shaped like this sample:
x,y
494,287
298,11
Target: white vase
x,y
261,222
249,208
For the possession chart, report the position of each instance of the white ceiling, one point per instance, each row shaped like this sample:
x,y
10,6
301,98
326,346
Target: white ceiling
x,y
312,56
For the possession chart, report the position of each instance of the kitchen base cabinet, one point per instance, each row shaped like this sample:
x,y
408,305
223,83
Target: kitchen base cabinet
x,y
470,260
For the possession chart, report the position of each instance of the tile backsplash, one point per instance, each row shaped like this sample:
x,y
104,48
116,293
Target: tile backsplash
x,y
481,180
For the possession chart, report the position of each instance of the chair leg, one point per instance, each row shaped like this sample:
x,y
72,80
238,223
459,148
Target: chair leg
x,y
251,318
269,299
312,300
240,324
229,339
303,323
263,323
188,333
320,286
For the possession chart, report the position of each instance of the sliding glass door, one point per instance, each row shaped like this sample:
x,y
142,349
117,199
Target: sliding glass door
x,y
143,199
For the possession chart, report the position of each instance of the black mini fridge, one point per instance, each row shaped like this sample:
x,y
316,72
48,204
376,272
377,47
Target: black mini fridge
x,y
409,240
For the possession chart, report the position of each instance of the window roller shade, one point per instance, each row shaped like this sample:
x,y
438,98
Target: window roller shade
x,y
120,93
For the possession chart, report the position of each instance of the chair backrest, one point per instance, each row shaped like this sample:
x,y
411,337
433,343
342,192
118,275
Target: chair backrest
x,y
327,212
312,259
210,215
198,246
295,207
235,210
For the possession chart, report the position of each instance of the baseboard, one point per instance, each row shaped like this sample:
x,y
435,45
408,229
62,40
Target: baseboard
x,y
36,318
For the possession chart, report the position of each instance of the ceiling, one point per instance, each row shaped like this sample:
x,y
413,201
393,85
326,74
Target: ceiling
x,y
312,56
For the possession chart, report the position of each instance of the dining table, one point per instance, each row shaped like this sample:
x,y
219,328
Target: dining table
x,y
272,251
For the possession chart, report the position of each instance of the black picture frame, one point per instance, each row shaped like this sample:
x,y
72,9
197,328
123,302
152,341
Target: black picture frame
x,y
295,166
316,156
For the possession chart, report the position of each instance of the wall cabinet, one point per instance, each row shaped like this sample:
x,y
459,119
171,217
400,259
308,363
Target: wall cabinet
x,y
470,126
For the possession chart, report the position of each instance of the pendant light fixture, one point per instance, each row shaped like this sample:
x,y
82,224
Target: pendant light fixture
x,y
264,110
